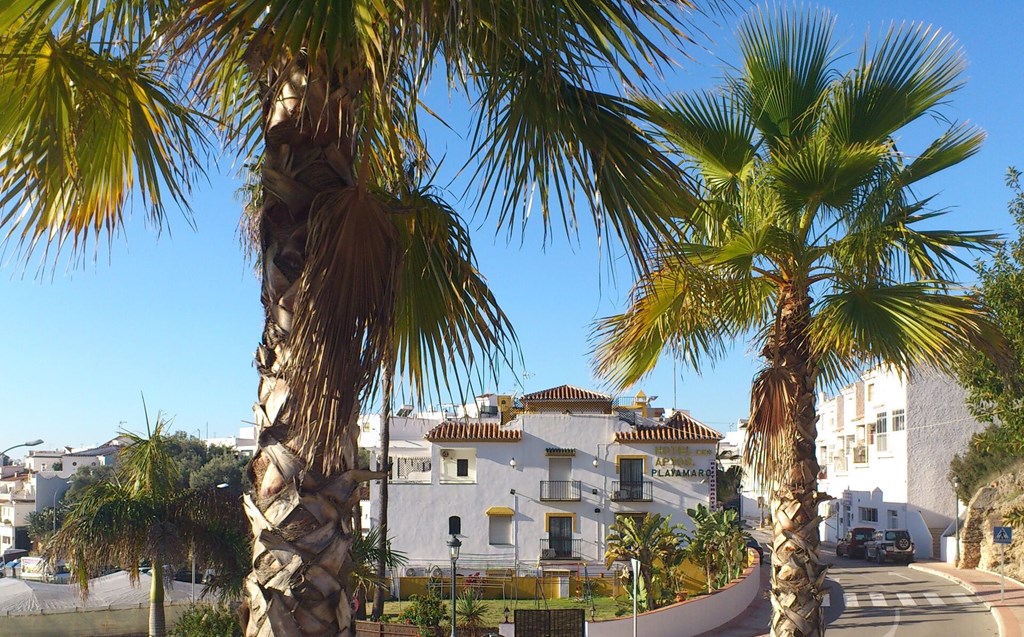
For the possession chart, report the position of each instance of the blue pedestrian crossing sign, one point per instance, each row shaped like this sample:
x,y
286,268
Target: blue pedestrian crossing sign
x,y
1002,534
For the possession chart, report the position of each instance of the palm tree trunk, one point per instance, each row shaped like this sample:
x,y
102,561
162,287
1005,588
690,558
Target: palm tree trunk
x,y
797,575
385,454
300,515
157,621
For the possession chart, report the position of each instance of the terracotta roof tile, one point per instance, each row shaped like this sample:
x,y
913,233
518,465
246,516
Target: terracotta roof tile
x,y
472,432
567,392
678,428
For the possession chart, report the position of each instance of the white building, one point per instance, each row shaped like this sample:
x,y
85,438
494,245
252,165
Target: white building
x,y
24,493
73,459
884,445
245,442
538,481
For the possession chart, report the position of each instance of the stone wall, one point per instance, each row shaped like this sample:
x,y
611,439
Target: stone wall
x,y
988,508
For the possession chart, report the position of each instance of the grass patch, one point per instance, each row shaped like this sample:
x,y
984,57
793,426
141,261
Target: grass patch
x,y
605,608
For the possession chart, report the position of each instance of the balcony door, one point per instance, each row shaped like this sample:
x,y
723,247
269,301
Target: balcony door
x,y
631,477
560,535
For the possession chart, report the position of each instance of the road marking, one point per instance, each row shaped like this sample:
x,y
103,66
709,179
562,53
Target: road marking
x,y
901,576
895,624
963,599
851,600
934,599
877,599
906,599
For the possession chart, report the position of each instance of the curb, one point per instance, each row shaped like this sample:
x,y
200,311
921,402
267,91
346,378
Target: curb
x,y
995,611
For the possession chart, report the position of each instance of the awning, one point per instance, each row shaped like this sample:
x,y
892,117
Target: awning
x,y
559,451
500,511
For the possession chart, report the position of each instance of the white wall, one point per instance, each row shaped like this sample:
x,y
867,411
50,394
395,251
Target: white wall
x,y
421,510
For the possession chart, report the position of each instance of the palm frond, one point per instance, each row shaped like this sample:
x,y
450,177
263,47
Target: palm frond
x,y
447,320
91,135
905,324
768,447
786,55
913,69
344,317
712,130
540,139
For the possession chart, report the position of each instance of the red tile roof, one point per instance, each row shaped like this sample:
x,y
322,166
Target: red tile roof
x,y
472,432
567,392
678,428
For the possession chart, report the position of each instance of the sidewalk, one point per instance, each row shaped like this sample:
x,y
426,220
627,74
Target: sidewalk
x,y
1009,613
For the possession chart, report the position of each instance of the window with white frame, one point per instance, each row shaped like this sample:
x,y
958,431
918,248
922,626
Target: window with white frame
x,y
868,514
882,432
899,419
458,466
410,469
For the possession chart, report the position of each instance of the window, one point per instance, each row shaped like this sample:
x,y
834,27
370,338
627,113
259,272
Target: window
x,y
871,392
899,419
499,529
893,521
458,466
560,528
868,514
410,470
882,431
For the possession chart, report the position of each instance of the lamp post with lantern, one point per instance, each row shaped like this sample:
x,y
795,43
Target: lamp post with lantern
x,y
453,552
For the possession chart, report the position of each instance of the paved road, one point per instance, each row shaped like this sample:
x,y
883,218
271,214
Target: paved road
x,y
872,600
889,600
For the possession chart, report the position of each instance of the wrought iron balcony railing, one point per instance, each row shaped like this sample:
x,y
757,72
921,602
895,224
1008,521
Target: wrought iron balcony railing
x,y
560,490
560,548
635,491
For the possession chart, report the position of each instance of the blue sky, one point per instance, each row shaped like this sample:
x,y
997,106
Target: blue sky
x,y
176,316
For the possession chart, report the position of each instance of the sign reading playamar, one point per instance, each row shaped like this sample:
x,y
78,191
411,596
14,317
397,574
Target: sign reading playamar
x,y
682,461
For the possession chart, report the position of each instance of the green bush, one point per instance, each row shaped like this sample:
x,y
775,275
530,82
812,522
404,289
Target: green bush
x,y
208,621
425,612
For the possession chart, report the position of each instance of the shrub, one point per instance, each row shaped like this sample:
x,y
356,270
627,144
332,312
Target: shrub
x,y
208,621
425,612
470,609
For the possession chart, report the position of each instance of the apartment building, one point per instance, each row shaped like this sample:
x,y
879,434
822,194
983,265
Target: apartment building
x,y
538,480
884,445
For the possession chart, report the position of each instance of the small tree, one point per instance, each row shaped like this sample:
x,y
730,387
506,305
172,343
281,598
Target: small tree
x,y
654,541
142,514
470,610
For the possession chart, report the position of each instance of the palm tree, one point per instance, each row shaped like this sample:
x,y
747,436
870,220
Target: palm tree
x,y
105,105
652,540
142,515
810,239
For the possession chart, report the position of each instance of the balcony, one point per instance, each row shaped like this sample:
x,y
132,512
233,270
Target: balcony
x,y
561,548
560,490
641,491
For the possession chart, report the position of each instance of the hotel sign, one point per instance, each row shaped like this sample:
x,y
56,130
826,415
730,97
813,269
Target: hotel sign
x,y
682,461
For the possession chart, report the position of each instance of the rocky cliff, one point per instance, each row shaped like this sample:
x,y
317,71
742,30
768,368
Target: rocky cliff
x,y
988,508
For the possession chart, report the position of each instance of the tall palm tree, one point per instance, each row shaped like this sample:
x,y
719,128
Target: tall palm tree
x,y
809,238
105,105
652,540
142,515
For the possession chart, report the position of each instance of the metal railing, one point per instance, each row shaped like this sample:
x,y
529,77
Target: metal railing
x,y
560,548
635,491
560,490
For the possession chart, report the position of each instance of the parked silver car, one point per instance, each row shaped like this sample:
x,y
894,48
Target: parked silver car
x,y
892,545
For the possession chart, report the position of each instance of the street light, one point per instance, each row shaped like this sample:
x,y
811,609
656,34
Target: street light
x,y
31,443
956,519
453,552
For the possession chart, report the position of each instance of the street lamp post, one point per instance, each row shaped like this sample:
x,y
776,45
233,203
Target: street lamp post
x,y
453,552
31,443
956,519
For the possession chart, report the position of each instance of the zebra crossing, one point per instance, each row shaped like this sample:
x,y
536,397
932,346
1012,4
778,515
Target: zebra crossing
x,y
885,600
